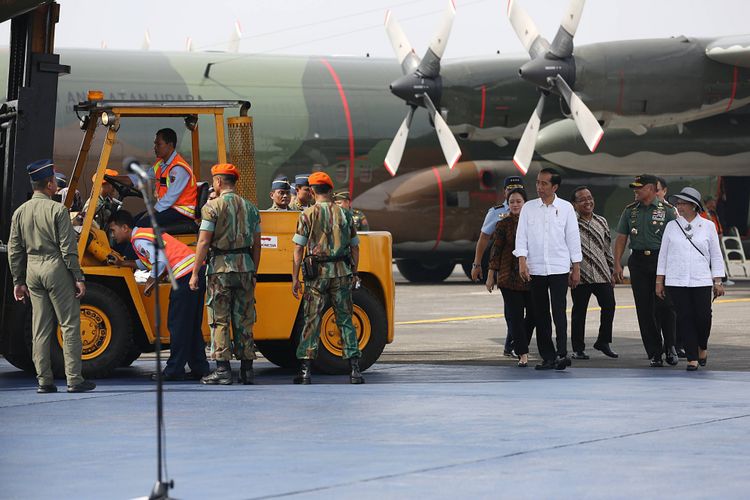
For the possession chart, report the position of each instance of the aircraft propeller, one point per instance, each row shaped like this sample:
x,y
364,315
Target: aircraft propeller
x,y
421,86
552,69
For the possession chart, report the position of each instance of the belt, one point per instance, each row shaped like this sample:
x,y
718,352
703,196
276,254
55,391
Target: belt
x,y
646,253
213,251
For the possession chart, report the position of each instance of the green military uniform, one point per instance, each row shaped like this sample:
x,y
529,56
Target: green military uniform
x,y
360,221
299,207
230,290
43,255
327,231
644,225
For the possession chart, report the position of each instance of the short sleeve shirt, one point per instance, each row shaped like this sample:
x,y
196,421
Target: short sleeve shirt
x,y
494,215
327,230
645,224
234,222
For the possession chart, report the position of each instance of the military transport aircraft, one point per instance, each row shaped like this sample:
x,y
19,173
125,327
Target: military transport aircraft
x,y
675,106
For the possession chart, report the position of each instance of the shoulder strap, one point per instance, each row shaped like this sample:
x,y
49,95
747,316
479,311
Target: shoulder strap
x,y
691,241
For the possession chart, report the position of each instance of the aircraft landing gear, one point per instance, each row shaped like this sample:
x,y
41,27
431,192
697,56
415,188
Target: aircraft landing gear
x,y
418,271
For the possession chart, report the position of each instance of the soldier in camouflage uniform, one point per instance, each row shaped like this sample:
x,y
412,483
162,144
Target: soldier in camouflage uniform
x,y
344,200
230,238
108,203
281,195
327,232
304,197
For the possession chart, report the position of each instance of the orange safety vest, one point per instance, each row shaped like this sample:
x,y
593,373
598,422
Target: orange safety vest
x,y
187,200
181,259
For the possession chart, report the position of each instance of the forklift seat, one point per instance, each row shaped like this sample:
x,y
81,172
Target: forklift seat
x,y
191,227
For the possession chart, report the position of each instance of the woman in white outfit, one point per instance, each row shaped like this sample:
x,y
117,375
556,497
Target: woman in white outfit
x,y
689,270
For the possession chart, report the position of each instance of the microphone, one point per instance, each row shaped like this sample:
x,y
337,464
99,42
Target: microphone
x,y
132,165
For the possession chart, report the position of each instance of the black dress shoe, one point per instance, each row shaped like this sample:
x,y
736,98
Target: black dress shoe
x,y
703,361
84,386
46,389
546,365
681,353
656,362
168,378
509,354
605,349
580,355
562,363
692,368
671,357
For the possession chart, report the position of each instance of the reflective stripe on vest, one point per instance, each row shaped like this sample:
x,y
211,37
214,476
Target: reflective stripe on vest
x,y
187,200
181,259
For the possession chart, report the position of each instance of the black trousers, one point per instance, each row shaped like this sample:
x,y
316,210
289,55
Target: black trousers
x,y
184,320
643,282
666,323
164,218
605,296
521,325
693,306
554,289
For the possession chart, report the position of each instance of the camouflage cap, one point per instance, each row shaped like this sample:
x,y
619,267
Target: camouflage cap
x,y
642,180
342,195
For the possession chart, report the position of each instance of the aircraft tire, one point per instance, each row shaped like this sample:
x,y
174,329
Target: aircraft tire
x,y
107,334
371,324
417,271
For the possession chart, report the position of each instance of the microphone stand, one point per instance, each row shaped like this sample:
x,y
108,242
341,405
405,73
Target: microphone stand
x,y
163,485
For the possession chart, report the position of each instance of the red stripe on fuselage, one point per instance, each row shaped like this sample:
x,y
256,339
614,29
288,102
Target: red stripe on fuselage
x,y
484,104
348,116
734,88
441,204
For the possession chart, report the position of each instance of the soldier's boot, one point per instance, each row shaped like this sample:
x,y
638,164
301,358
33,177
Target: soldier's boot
x,y
221,376
356,376
246,375
303,376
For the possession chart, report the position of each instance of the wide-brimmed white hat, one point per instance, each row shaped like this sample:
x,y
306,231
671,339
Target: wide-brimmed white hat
x,y
688,194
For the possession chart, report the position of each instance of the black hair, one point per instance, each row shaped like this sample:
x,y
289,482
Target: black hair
x,y
520,191
228,179
168,135
556,178
122,218
663,182
574,196
41,185
321,188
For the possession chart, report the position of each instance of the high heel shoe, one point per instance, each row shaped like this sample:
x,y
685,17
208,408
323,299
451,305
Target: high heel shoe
x,y
692,368
703,361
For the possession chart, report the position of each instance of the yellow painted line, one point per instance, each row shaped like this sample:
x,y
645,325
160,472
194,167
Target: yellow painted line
x,y
497,316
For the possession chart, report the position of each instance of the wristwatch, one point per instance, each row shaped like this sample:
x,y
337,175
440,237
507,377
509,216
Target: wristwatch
x,y
82,279
475,265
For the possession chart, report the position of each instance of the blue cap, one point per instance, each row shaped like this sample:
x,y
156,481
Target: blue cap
x,y
41,169
62,180
280,184
302,180
513,182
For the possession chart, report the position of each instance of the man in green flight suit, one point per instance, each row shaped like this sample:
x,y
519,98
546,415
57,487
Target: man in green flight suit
x,y
330,272
230,238
344,200
43,256
643,222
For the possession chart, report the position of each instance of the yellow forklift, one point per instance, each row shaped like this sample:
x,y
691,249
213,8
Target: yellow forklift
x,y
117,317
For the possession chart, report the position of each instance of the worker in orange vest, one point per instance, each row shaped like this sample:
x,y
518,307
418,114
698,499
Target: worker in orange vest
x,y
176,190
185,313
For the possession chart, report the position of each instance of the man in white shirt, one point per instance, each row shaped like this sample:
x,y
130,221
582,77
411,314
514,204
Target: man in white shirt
x,y
548,247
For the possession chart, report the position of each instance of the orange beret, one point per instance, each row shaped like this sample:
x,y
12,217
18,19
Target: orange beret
x,y
320,178
225,169
109,171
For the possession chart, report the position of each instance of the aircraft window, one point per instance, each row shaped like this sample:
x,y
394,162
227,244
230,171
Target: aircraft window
x,y
365,173
342,173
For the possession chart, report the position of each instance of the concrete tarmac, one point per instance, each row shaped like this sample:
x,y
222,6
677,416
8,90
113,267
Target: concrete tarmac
x,y
443,415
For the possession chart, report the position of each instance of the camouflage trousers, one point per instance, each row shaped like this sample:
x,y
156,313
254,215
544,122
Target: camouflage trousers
x,y
339,292
230,300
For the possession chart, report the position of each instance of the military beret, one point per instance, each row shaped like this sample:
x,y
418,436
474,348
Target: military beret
x,y
302,180
342,195
642,180
225,169
109,171
319,178
513,182
41,169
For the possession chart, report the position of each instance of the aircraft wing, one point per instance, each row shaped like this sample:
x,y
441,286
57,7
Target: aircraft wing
x,y
734,50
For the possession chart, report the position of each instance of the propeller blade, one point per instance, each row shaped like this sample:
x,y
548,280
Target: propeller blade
x,y
535,44
527,144
448,143
587,124
405,54
396,151
562,45
430,65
